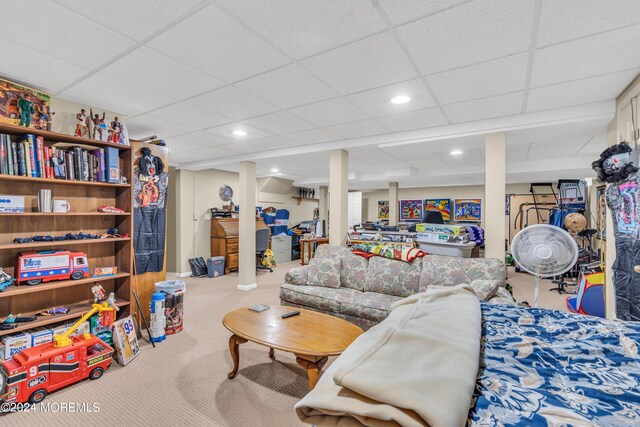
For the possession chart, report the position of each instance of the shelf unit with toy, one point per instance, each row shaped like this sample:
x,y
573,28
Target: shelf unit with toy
x,y
84,197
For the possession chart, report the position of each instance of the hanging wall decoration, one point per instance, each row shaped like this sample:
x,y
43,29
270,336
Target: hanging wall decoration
x,y
383,209
24,106
468,210
150,181
411,209
441,205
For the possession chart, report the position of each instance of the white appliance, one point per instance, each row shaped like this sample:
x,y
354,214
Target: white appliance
x,y
354,209
281,248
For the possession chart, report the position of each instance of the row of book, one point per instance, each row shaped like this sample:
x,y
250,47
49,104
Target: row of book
x,y
29,156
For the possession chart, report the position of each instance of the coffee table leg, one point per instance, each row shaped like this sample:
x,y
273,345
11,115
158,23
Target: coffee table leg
x,y
271,355
234,343
313,367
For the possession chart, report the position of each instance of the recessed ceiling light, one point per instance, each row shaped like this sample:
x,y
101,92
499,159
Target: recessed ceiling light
x,y
239,133
456,152
275,170
400,99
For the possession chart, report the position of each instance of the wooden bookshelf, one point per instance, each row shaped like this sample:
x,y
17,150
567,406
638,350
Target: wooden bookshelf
x,y
84,198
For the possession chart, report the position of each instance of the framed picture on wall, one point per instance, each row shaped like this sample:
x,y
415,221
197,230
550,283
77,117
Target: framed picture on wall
x,y
441,205
468,210
383,209
411,209
24,106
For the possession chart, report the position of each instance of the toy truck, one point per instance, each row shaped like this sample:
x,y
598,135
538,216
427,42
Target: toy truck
x,y
38,267
34,372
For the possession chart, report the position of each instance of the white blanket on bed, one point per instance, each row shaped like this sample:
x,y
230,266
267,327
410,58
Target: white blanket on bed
x,y
418,367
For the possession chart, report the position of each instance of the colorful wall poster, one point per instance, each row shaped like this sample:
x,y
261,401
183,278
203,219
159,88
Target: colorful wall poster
x,y
383,209
469,210
411,209
24,106
442,205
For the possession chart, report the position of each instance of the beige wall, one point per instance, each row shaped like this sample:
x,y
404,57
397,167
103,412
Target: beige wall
x,y
64,121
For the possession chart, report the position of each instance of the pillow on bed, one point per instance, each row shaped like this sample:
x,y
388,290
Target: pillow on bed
x,y
325,271
485,289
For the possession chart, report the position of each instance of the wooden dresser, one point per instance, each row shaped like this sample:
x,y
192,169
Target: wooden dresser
x,y
224,240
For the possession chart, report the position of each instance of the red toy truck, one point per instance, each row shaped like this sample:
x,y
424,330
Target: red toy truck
x,y
37,267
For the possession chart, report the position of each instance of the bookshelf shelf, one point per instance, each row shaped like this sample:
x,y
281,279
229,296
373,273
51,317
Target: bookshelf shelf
x,y
25,289
54,214
59,181
32,245
54,137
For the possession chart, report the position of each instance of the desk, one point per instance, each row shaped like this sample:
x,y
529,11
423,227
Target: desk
x,y
224,240
309,244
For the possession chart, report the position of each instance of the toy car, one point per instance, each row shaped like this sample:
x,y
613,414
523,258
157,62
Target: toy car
x,y
37,267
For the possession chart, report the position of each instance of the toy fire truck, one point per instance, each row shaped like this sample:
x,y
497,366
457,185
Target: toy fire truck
x,y
37,267
33,373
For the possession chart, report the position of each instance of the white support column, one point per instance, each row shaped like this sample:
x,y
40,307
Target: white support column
x,y
247,227
494,195
393,203
323,206
338,203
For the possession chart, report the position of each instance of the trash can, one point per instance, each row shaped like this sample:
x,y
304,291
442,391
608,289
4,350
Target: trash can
x,y
173,295
215,266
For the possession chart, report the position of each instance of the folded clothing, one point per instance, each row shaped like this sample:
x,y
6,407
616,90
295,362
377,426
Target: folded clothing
x,y
406,254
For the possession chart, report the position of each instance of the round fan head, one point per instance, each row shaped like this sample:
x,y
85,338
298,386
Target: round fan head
x,y
226,193
544,250
575,222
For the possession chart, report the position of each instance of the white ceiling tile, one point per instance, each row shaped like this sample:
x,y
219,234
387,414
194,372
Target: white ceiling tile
x,y
145,125
226,131
204,139
214,42
430,162
481,80
582,131
331,112
184,157
365,64
516,156
237,147
115,95
579,92
305,27
557,152
312,136
417,119
280,122
217,152
591,56
485,108
152,70
60,32
177,145
288,87
26,66
376,102
400,11
473,32
358,129
274,142
595,147
232,102
570,19
189,115
370,154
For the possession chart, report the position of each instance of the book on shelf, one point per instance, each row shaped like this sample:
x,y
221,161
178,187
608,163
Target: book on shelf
x,y
28,155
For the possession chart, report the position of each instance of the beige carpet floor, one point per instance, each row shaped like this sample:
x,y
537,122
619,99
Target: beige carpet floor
x,y
183,382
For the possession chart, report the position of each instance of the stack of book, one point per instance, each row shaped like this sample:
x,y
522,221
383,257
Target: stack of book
x,y
29,156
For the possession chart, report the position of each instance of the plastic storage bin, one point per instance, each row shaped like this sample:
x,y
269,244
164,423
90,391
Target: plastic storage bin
x,y
174,291
215,266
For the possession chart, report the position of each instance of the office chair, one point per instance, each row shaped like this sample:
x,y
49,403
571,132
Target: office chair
x,y
433,217
262,244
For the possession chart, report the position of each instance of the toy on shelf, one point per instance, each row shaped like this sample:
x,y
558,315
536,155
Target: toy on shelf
x,y
105,271
11,321
158,319
26,110
5,280
38,267
98,293
109,209
82,124
53,311
67,361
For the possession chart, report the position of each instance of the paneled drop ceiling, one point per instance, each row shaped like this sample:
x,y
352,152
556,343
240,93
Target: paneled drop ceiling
x,y
304,76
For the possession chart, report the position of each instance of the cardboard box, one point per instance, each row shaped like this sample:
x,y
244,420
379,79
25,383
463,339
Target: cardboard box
x,y
456,230
14,344
125,340
11,203
83,329
40,336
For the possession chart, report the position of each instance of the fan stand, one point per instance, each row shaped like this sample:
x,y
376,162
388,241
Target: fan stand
x,y
536,292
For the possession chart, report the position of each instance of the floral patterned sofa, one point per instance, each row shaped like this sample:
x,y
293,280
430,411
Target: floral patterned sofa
x,y
342,284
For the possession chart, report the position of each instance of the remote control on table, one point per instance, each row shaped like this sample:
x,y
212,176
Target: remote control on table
x,y
293,313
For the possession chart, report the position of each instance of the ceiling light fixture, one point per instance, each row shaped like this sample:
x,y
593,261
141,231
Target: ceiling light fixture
x,y
400,99
456,152
275,170
239,133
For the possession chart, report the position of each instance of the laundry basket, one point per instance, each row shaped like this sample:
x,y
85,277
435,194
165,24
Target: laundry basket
x,y
173,302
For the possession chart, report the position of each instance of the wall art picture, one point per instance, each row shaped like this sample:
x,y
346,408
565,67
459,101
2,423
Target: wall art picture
x,y
24,106
383,209
469,210
411,209
441,205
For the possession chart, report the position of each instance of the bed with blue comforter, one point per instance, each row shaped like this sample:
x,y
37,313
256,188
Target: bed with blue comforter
x,y
548,368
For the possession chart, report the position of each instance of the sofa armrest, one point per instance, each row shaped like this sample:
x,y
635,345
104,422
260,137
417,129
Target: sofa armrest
x,y
297,275
502,296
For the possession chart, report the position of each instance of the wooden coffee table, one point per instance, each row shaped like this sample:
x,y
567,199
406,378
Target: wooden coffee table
x,y
311,336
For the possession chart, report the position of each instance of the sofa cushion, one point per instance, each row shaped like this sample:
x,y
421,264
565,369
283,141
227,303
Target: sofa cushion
x,y
297,275
369,305
353,270
502,297
391,277
450,271
318,297
485,289
325,271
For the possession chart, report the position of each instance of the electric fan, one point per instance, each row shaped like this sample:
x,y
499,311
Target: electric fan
x,y
544,251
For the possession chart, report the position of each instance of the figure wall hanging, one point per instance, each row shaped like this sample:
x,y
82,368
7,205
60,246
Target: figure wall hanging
x,y
150,181
24,106
615,167
441,205
411,209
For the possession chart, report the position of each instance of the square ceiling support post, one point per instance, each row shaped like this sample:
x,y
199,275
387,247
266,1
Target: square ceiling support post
x,y
247,227
494,196
393,203
338,198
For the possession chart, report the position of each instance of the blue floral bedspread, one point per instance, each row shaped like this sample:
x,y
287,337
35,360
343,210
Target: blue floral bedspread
x,y
551,368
